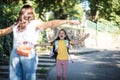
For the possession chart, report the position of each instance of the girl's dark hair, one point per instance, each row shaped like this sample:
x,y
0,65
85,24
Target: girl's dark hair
x,y
57,38
26,14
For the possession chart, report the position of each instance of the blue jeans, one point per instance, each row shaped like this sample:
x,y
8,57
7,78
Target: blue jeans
x,y
21,67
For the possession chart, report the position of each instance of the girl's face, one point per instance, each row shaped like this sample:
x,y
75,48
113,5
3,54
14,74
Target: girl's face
x,y
62,35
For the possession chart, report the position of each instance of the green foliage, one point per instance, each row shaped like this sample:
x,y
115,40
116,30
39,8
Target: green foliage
x,y
74,12
60,9
8,16
43,70
42,39
108,9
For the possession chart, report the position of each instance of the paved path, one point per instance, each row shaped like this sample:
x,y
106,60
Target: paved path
x,y
85,67
103,65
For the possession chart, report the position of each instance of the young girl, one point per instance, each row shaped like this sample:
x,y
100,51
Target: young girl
x,y
62,43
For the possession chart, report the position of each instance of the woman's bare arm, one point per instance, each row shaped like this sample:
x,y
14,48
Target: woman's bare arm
x,y
55,23
5,31
80,40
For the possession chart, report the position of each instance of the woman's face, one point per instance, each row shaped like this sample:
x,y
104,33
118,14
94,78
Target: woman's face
x,y
29,14
62,35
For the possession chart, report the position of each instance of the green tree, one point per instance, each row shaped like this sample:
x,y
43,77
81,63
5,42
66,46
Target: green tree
x,y
106,9
60,8
8,15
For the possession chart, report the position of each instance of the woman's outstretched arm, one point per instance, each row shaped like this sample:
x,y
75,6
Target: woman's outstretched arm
x,y
55,23
5,31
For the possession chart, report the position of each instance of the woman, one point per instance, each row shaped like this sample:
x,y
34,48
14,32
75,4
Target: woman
x,y
25,31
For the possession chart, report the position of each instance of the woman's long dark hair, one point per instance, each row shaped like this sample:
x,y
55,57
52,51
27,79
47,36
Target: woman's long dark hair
x,y
57,38
26,14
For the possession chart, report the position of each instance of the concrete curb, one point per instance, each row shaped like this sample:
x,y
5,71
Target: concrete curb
x,y
83,50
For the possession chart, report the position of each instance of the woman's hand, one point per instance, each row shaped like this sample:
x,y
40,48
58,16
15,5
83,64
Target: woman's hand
x,y
76,22
5,31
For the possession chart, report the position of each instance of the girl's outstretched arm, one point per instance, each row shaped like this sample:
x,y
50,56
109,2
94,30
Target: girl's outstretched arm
x,y
45,44
80,40
5,31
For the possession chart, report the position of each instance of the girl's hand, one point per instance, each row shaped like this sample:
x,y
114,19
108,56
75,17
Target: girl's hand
x,y
86,35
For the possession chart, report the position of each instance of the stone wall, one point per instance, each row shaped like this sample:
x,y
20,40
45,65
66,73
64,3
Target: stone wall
x,y
102,40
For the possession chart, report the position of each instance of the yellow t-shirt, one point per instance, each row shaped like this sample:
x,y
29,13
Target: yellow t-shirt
x,y
62,50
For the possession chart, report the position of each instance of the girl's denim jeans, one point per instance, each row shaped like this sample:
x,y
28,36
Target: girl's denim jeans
x,y
21,67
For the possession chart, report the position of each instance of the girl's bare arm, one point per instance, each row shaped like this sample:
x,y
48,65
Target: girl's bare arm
x,y
5,31
41,45
80,40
